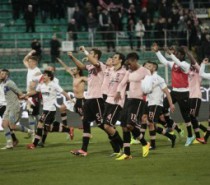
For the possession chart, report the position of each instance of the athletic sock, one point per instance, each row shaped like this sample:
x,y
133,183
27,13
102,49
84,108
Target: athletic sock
x,y
117,142
56,126
38,136
137,134
44,136
207,135
197,133
7,134
189,130
65,129
14,138
202,127
85,143
64,118
32,123
161,131
143,128
126,144
177,129
152,134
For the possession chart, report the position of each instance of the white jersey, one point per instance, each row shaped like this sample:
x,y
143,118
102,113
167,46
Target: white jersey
x,y
2,97
49,94
157,95
31,73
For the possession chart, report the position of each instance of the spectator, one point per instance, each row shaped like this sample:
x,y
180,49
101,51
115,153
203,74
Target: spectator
x,y
144,15
53,9
80,19
30,19
139,30
36,45
60,9
70,8
72,32
131,29
15,9
132,12
206,47
44,9
148,33
115,15
160,27
54,48
92,26
110,38
164,9
104,20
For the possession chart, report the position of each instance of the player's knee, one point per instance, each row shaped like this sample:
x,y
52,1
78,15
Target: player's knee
x,y
63,108
12,126
5,124
40,125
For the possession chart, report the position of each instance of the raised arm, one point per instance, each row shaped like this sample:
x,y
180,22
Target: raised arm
x,y
79,64
202,69
184,65
161,58
67,68
91,59
25,60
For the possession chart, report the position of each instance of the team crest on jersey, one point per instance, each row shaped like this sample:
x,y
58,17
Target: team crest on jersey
x,y
92,71
6,89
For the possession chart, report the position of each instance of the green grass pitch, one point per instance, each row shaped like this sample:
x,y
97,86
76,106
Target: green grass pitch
x,y
54,165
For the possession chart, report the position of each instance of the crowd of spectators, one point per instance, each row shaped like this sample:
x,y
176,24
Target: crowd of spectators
x,y
145,19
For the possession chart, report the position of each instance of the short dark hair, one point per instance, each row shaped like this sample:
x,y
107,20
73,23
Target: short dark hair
x,y
121,57
97,52
156,65
34,57
133,56
148,61
6,71
181,51
80,72
49,74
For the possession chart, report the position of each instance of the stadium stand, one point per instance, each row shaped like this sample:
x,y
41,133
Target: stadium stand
x,y
15,43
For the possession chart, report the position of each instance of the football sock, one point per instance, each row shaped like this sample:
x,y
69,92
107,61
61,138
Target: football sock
x,y
7,134
85,143
117,142
32,123
38,136
189,130
126,144
162,132
14,138
64,118
207,135
143,128
152,134
202,127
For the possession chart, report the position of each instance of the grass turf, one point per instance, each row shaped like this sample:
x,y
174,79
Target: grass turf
x,y
53,164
